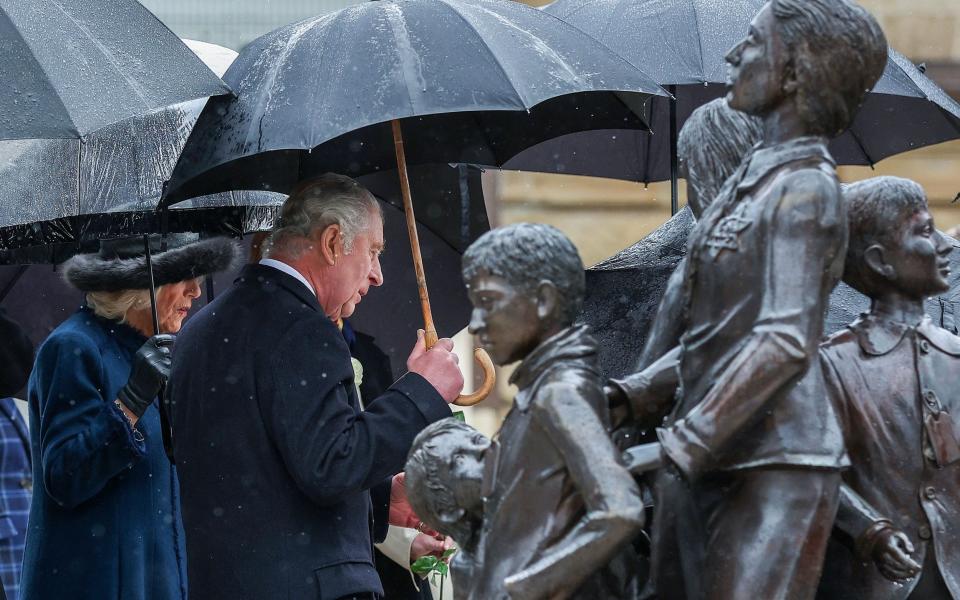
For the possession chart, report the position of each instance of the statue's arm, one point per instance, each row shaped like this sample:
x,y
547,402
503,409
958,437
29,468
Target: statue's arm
x,y
806,229
650,389
614,508
650,392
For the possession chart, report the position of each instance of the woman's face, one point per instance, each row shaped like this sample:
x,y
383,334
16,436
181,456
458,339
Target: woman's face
x,y
173,303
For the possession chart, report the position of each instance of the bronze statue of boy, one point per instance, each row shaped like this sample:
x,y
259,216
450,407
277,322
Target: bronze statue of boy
x,y
560,510
753,448
893,375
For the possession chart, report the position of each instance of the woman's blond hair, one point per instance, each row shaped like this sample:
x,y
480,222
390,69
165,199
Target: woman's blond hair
x,y
115,305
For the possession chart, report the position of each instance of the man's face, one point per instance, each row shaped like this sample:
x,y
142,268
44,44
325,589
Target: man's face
x,y
920,261
356,272
755,67
504,318
466,469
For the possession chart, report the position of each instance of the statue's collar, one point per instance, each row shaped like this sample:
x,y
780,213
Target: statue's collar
x,y
571,343
763,160
880,336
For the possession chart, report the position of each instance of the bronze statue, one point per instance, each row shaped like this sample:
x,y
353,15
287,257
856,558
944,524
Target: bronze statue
x,y
753,449
445,475
893,375
711,146
560,511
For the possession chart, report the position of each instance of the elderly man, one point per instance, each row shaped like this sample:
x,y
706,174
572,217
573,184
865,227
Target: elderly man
x,y
286,483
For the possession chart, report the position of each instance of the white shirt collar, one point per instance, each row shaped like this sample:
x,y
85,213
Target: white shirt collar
x,y
282,266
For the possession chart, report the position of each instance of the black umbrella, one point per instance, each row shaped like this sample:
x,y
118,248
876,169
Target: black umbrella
x,y
473,82
60,193
70,68
682,44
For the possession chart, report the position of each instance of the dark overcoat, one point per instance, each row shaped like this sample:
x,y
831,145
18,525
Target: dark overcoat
x,y
285,480
104,520
16,356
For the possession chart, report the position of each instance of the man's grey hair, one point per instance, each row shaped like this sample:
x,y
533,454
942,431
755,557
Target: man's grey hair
x,y
330,199
713,143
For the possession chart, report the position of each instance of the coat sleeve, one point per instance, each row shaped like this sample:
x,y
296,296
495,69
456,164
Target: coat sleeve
x,y
16,356
804,233
85,441
614,509
330,449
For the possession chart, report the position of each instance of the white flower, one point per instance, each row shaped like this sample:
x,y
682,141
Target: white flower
x,y
357,372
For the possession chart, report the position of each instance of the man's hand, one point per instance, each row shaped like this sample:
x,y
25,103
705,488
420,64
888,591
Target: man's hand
x,y
438,365
428,545
891,553
401,514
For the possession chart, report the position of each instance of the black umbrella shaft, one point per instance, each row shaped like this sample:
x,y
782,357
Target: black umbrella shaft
x,y
674,159
153,289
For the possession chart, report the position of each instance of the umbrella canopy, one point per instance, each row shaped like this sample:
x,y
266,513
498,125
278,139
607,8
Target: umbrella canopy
x,y
475,82
57,193
682,44
453,216
70,68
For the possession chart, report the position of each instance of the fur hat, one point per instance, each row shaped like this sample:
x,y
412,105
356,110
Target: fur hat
x,y
122,264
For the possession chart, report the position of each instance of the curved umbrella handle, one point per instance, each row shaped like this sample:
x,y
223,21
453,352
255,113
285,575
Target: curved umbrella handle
x,y
489,379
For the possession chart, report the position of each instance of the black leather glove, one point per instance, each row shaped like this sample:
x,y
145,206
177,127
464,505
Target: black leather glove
x,y
151,368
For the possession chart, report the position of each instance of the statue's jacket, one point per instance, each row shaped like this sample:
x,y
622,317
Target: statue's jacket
x,y
760,268
893,385
552,451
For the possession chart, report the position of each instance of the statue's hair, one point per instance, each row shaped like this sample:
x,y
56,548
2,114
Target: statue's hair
x,y
526,254
713,143
320,202
877,211
429,489
838,52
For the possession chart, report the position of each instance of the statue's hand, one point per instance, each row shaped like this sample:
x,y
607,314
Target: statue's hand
x,y
891,553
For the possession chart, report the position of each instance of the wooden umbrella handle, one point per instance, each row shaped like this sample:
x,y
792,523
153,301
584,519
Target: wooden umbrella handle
x,y
430,330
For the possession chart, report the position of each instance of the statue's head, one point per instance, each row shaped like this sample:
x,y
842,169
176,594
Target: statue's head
x,y
894,246
821,56
526,282
712,144
444,477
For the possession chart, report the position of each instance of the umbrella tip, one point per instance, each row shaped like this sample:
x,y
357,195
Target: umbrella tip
x,y
922,67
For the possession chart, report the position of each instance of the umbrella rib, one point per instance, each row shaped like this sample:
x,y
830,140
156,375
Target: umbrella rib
x,y
696,19
33,56
141,93
496,59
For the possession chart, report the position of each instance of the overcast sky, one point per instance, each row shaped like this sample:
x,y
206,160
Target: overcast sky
x,y
234,23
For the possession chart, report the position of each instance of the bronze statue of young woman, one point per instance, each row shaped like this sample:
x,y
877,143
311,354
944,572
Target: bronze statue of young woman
x,y
753,448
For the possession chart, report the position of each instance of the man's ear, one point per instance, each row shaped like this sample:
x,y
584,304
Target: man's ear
x,y
331,244
875,258
547,299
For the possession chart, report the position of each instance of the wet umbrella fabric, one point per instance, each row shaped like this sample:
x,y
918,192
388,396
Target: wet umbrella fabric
x,y
60,194
453,215
318,95
70,68
682,44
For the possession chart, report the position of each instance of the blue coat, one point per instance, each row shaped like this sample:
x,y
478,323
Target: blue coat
x,y
15,485
285,481
105,521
